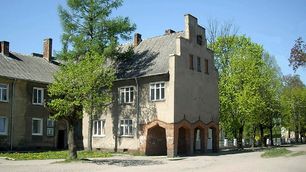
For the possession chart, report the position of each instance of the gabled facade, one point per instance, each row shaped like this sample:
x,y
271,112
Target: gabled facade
x,y
24,119
165,100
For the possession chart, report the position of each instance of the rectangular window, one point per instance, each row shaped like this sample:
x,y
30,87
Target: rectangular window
x,y
3,125
199,39
191,67
126,94
50,131
37,126
38,96
206,66
126,127
50,123
157,91
4,92
98,127
198,64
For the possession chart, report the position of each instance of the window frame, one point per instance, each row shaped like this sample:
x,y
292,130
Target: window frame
x,y
199,66
5,125
155,92
191,62
206,66
41,126
128,125
131,94
102,121
7,92
42,96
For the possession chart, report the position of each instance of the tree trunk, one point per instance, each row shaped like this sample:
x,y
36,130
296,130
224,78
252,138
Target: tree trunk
x,y
253,137
89,138
71,140
239,141
262,139
271,135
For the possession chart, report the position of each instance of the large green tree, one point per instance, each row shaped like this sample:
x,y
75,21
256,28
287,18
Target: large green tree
x,y
239,63
294,105
90,46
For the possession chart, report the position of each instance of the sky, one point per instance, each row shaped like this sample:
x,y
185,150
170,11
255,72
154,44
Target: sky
x,y
275,24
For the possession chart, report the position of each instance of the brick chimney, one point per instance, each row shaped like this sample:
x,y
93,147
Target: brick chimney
x,y
5,48
47,54
137,39
169,31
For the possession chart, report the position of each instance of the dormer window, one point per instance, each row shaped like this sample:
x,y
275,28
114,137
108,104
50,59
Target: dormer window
x,y
199,39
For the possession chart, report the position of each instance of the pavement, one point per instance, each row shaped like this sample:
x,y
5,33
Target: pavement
x,y
224,161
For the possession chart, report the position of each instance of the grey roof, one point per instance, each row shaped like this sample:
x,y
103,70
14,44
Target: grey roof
x,y
151,57
26,67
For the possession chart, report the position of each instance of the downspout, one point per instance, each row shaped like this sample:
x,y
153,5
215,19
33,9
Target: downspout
x,y
11,120
137,108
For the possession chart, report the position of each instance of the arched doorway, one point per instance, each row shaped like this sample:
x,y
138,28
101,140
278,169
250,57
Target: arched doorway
x,y
156,143
183,141
198,140
211,139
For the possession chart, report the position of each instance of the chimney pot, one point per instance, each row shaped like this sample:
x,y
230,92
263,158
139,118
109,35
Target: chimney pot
x,y
5,48
137,39
169,31
47,54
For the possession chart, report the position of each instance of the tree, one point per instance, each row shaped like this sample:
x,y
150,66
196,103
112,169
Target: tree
x,y
270,91
298,54
90,40
239,72
294,105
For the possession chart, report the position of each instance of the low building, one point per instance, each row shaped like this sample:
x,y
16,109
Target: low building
x,y
24,119
165,99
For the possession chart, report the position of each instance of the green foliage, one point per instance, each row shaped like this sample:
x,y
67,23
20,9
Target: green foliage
x,y
275,152
81,85
53,155
88,26
293,102
239,62
90,40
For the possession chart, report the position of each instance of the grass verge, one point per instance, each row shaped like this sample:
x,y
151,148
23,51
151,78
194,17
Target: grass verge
x,y
53,155
275,152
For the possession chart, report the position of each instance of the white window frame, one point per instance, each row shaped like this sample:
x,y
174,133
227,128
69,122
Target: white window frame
x,y
95,132
129,95
5,125
42,96
50,131
50,123
126,128
155,88
41,126
7,92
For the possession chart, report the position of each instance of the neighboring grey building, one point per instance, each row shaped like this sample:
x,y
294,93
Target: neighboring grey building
x,y
165,99
24,120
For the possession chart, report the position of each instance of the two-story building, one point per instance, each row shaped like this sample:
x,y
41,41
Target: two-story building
x,y
24,119
165,98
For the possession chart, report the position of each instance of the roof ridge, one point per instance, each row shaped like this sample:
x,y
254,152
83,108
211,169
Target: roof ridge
x,y
154,37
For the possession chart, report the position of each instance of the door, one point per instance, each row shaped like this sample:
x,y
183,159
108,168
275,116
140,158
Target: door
x,y
209,139
61,139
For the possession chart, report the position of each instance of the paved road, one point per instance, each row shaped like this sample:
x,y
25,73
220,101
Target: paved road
x,y
247,162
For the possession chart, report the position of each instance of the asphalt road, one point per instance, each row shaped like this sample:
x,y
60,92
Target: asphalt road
x,y
247,162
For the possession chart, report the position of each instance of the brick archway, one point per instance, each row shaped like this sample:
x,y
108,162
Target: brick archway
x,y
199,140
183,145
156,143
212,137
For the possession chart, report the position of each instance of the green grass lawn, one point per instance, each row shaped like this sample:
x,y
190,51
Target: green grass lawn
x,y
53,155
275,152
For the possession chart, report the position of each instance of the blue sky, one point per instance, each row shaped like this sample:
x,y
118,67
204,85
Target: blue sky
x,y
275,24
